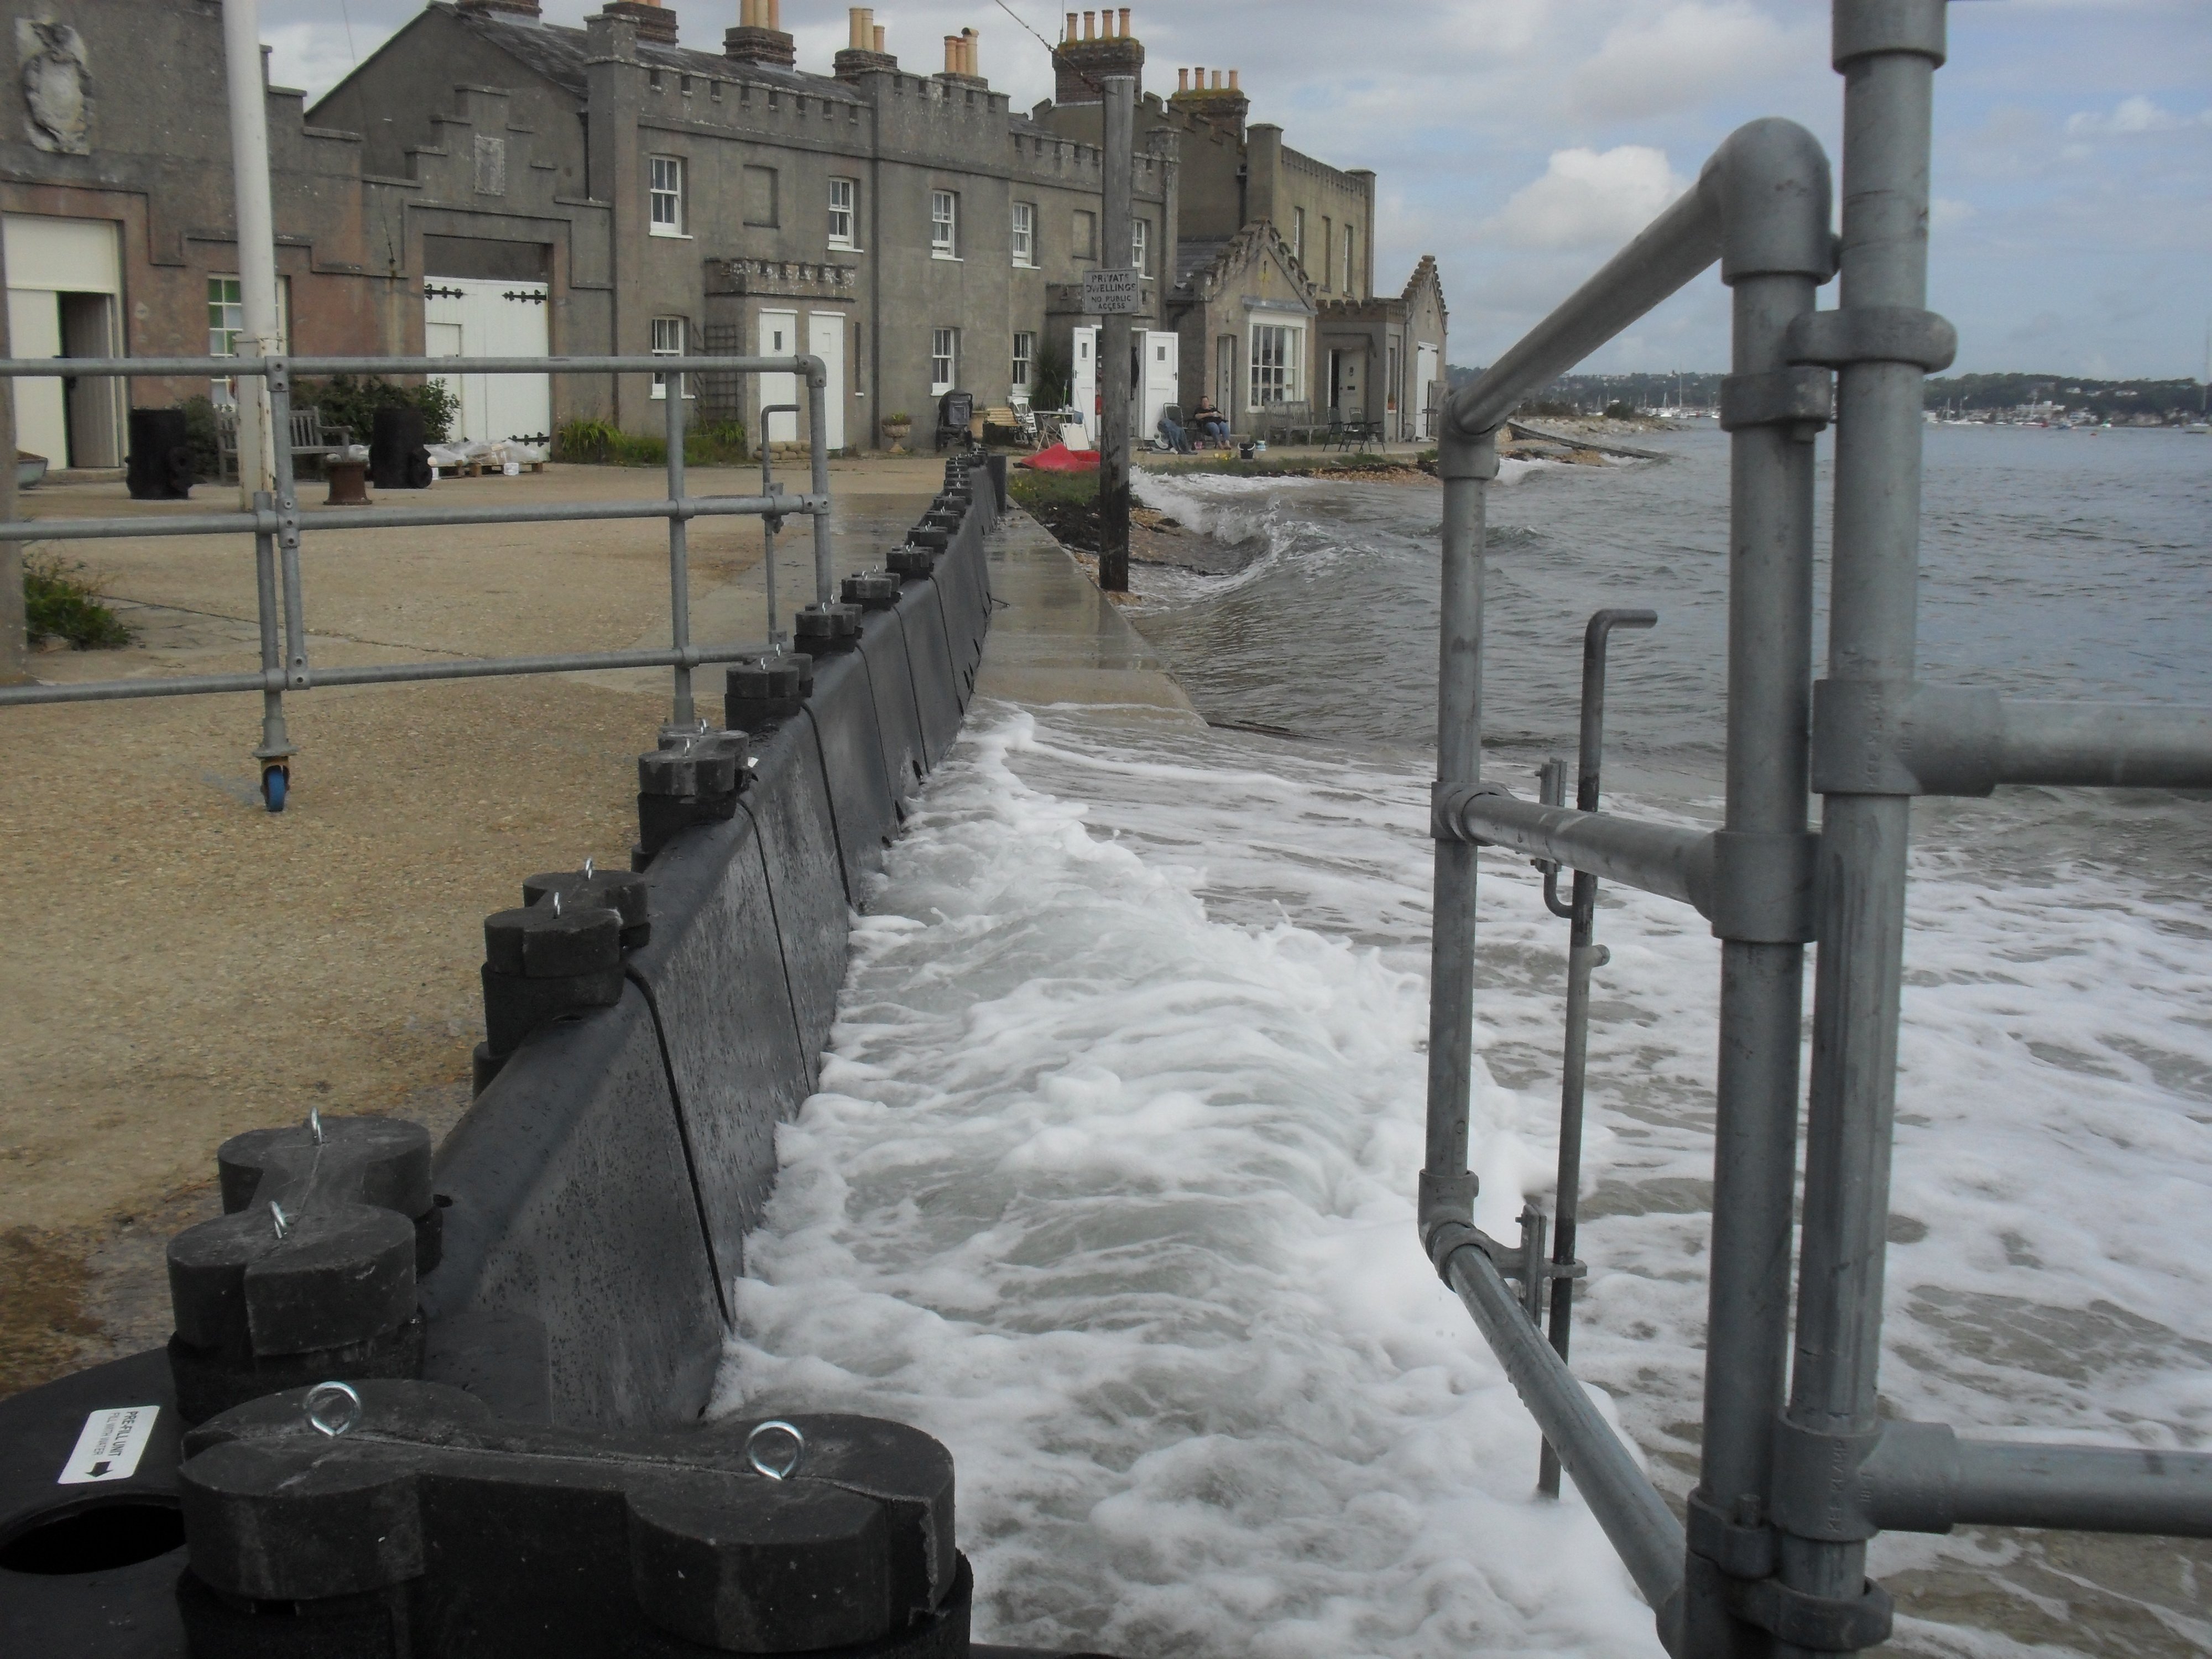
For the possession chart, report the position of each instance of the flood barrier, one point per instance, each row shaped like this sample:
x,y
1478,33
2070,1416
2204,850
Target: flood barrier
x,y
602,1185
551,1290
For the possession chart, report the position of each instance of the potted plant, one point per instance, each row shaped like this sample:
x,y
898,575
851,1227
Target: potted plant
x,y
895,429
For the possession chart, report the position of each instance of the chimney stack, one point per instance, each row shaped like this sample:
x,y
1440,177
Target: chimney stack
x,y
759,36
865,53
961,60
1223,107
1080,65
656,23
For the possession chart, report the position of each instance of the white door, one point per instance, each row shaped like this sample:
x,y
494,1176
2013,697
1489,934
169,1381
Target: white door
x,y
34,330
1162,380
1424,376
477,317
48,258
825,338
779,337
1086,399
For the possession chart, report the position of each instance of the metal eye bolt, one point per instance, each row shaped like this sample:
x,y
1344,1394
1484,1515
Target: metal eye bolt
x,y
333,1408
779,1458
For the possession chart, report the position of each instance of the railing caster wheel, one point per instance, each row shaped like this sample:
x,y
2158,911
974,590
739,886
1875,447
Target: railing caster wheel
x,y
276,784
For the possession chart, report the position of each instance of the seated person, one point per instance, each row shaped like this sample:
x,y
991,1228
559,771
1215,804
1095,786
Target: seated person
x,y
1211,422
1174,435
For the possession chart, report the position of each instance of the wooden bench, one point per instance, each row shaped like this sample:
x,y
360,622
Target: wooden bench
x,y
1286,423
310,436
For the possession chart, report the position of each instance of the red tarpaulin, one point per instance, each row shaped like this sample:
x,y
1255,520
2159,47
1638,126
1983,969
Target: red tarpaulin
x,y
1060,459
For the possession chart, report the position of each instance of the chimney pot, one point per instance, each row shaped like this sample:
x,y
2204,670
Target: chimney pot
x,y
1125,22
1069,35
1232,81
1090,26
878,30
1182,80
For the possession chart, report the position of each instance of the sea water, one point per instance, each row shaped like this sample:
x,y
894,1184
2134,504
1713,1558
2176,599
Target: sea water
x,y
1108,1183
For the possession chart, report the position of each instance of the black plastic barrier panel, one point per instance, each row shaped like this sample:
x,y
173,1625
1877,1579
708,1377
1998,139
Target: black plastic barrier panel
x,y
646,1034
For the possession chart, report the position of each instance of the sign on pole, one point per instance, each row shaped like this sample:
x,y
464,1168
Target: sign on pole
x,y
1113,293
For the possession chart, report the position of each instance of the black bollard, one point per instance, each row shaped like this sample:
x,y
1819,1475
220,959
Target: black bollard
x,y
397,458
160,468
310,1271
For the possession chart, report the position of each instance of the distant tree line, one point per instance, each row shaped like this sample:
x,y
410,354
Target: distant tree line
x,y
2105,399
1595,394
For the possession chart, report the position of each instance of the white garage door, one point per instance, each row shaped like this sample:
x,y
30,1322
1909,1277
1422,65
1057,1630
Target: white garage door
x,y
65,288
480,317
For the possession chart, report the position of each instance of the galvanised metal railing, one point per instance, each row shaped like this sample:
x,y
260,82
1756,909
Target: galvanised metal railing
x,y
278,526
1798,1471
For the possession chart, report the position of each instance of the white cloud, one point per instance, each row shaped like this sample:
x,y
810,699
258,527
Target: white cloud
x,y
1946,211
2134,115
315,56
1588,199
1686,54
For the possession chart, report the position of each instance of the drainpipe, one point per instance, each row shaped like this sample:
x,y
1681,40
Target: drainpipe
x,y
877,411
15,650
257,240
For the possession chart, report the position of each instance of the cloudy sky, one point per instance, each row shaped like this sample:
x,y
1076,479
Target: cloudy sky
x,y
1521,141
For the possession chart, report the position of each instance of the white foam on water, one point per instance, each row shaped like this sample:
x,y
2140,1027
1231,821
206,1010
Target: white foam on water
x,y
1112,1195
1109,1186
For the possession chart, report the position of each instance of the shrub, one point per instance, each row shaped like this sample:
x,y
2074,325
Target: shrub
x,y
62,601
1055,379
351,401
715,443
602,443
1617,411
200,438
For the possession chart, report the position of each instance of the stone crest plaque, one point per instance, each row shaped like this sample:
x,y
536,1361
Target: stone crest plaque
x,y
56,86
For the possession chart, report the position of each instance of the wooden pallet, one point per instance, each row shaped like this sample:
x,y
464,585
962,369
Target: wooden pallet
x,y
482,469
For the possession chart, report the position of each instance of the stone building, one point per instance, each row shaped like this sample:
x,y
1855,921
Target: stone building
x,y
909,229
115,182
1290,316
489,184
